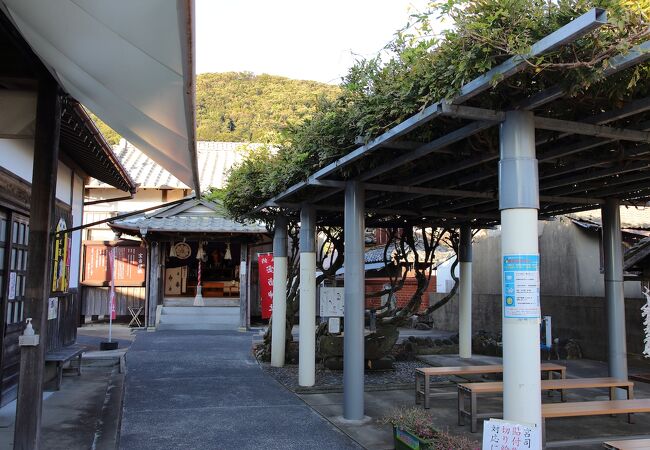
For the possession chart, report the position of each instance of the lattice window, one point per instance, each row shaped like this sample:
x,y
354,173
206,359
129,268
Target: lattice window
x,y
17,268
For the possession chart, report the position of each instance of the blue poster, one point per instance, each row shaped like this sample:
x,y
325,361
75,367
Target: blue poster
x,y
521,287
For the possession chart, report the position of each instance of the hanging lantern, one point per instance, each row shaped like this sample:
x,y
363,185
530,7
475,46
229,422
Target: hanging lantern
x,y
172,250
200,253
227,256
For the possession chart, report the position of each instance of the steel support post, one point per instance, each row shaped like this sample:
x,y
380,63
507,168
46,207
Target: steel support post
x,y
614,293
307,333
519,203
279,317
465,293
353,344
29,403
244,286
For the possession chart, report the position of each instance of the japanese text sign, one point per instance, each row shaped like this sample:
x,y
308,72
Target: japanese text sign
x,y
506,435
265,266
521,287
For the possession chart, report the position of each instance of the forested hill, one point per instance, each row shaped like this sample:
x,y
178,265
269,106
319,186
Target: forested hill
x,y
243,107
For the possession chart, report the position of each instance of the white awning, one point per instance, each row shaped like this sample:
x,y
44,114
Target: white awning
x,y
131,62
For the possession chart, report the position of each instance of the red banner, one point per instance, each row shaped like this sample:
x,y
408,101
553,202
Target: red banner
x,y
265,265
111,292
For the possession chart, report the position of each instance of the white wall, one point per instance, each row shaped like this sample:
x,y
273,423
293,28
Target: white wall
x,y
17,156
444,281
144,198
77,217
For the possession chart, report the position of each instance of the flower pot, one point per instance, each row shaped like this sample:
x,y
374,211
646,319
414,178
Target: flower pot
x,y
405,440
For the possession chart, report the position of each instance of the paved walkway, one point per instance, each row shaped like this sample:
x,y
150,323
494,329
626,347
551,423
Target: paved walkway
x,y
204,390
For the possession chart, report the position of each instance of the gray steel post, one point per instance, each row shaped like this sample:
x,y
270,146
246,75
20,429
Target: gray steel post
x,y
307,314
353,345
521,312
465,292
614,294
279,318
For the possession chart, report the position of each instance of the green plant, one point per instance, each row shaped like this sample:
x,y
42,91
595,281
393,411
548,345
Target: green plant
x,y
416,420
419,422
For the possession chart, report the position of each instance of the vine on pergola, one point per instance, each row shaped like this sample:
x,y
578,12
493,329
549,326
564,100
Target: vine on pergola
x,y
420,67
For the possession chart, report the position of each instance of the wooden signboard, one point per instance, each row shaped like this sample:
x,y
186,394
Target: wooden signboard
x,y
130,262
61,253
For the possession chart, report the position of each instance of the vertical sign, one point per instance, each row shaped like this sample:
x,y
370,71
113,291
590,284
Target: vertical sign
x,y
501,434
521,287
61,269
111,292
265,265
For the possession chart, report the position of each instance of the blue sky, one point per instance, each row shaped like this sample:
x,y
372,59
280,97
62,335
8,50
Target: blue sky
x,y
302,39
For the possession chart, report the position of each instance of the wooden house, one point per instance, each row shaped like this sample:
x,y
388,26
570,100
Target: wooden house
x,y
82,153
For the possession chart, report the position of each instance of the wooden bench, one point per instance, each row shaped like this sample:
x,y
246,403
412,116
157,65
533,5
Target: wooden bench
x,y
595,408
62,356
630,444
423,375
472,390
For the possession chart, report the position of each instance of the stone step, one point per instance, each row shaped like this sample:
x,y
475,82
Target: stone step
x,y
187,318
188,302
197,327
200,311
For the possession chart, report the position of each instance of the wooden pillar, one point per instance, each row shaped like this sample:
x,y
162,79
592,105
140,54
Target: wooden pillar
x,y
153,290
244,309
46,157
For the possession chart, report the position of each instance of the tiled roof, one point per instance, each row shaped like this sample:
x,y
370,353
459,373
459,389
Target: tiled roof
x,y
192,215
189,224
214,158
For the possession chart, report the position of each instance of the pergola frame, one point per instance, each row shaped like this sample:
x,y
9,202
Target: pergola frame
x,y
446,187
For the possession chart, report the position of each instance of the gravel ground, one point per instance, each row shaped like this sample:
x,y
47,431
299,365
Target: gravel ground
x,y
403,373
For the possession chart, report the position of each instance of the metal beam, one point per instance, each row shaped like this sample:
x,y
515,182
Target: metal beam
x,y
427,191
444,141
471,113
424,116
571,31
630,109
577,27
618,63
565,126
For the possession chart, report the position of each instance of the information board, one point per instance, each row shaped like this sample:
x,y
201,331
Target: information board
x,y
332,302
521,287
505,435
52,308
130,262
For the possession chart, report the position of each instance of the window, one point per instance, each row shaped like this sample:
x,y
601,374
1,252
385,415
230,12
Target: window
x,y
17,266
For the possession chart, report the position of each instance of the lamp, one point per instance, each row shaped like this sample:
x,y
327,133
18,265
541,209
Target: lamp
x,y
172,250
227,256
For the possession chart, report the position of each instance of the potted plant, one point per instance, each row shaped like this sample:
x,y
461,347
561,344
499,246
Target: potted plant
x,y
413,430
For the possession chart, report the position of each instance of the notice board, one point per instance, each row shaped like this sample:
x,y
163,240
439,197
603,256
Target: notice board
x,y
130,265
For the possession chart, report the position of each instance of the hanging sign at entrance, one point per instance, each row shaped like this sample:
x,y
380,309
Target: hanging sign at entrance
x,y
265,265
521,287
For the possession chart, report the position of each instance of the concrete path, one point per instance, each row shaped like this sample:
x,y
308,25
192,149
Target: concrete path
x,y
204,390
